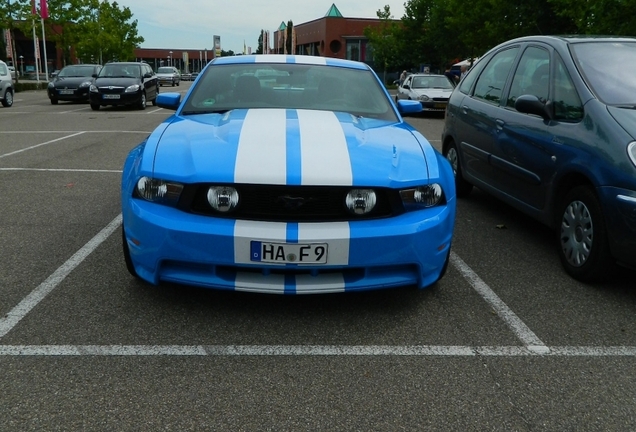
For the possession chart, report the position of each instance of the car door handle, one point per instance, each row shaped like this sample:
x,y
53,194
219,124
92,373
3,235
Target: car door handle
x,y
464,109
500,124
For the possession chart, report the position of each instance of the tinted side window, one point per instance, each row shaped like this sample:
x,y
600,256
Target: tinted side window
x,y
532,76
567,103
491,82
473,73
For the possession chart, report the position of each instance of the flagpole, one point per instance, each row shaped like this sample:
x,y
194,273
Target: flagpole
x,y
46,63
35,53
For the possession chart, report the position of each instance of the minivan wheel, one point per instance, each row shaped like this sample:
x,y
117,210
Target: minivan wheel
x,y
53,101
582,236
95,107
8,98
462,187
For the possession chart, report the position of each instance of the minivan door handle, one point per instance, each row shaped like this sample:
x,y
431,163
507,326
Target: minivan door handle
x,y
500,124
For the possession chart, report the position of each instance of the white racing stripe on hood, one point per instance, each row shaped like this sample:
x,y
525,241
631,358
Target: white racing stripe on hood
x,y
261,155
323,147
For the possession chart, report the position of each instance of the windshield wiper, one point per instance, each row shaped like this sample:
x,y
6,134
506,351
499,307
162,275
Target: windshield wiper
x,y
211,111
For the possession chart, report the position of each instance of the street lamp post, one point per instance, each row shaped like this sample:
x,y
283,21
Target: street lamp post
x,y
170,57
21,65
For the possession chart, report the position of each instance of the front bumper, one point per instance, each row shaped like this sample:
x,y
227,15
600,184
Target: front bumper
x,y
78,94
123,98
438,106
169,245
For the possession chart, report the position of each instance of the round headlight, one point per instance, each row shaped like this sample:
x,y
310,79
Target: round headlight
x,y
426,196
360,201
159,191
424,98
223,198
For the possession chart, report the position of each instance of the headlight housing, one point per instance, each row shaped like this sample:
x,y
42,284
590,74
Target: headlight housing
x,y
424,98
85,84
158,191
51,85
631,151
223,199
360,201
132,89
422,196
94,89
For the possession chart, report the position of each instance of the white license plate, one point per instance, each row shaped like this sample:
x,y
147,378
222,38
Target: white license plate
x,y
111,96
66,92
288,253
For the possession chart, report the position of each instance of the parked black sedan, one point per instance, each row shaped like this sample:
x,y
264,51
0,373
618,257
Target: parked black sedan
x,y
72,83
124,83
548,125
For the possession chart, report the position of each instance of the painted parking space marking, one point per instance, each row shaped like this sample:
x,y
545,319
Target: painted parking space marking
x,y
38,294
308,351
518,327
62,170
41,144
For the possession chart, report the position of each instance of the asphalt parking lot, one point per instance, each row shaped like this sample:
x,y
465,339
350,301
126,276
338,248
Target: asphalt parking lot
x,y
505,342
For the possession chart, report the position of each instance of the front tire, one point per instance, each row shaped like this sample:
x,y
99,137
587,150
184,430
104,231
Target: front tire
x,y
95,107
582,236
142,102
462,187
8,98
54,101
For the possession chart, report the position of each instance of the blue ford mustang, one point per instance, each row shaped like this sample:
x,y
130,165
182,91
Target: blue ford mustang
x,y
290,175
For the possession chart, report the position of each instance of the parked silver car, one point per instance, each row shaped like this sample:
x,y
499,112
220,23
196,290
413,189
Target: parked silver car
x,y
169,75
431,90
6,85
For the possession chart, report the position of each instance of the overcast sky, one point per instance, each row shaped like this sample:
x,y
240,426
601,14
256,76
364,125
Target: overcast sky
x,y
191,24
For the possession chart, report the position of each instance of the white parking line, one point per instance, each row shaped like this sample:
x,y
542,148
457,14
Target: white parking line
x,y
309,351
62,170
517,326
38,294
42,144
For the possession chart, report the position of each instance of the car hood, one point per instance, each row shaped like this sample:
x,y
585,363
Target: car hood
x,y
299,147
432,92
66,81
626,117
120,82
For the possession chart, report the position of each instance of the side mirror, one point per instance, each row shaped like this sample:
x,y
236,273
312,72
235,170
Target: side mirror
x,y
406,106
169,101
406,86
147,75
94,75
530,104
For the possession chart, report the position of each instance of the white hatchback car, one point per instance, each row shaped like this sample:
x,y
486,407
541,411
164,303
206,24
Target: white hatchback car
x,y
6,85
169,75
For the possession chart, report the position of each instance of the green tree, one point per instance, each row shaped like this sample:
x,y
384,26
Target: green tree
x,y
288,39
259,49
108,33
385,42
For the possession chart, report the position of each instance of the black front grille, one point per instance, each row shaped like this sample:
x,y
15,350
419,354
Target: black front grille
x,y
111,90
440,99
291,203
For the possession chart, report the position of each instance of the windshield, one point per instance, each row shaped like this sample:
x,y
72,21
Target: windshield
x,y
440,82
76,71
165,70
120,71
608,68
293,86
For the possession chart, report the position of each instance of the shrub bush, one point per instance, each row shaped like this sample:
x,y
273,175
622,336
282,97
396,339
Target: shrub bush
x,y
30,85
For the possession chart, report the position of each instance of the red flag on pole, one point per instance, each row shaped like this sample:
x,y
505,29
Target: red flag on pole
x,y
33,11
44,9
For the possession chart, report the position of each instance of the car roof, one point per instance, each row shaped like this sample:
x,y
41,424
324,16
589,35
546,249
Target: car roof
x,y
567,39
286,58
